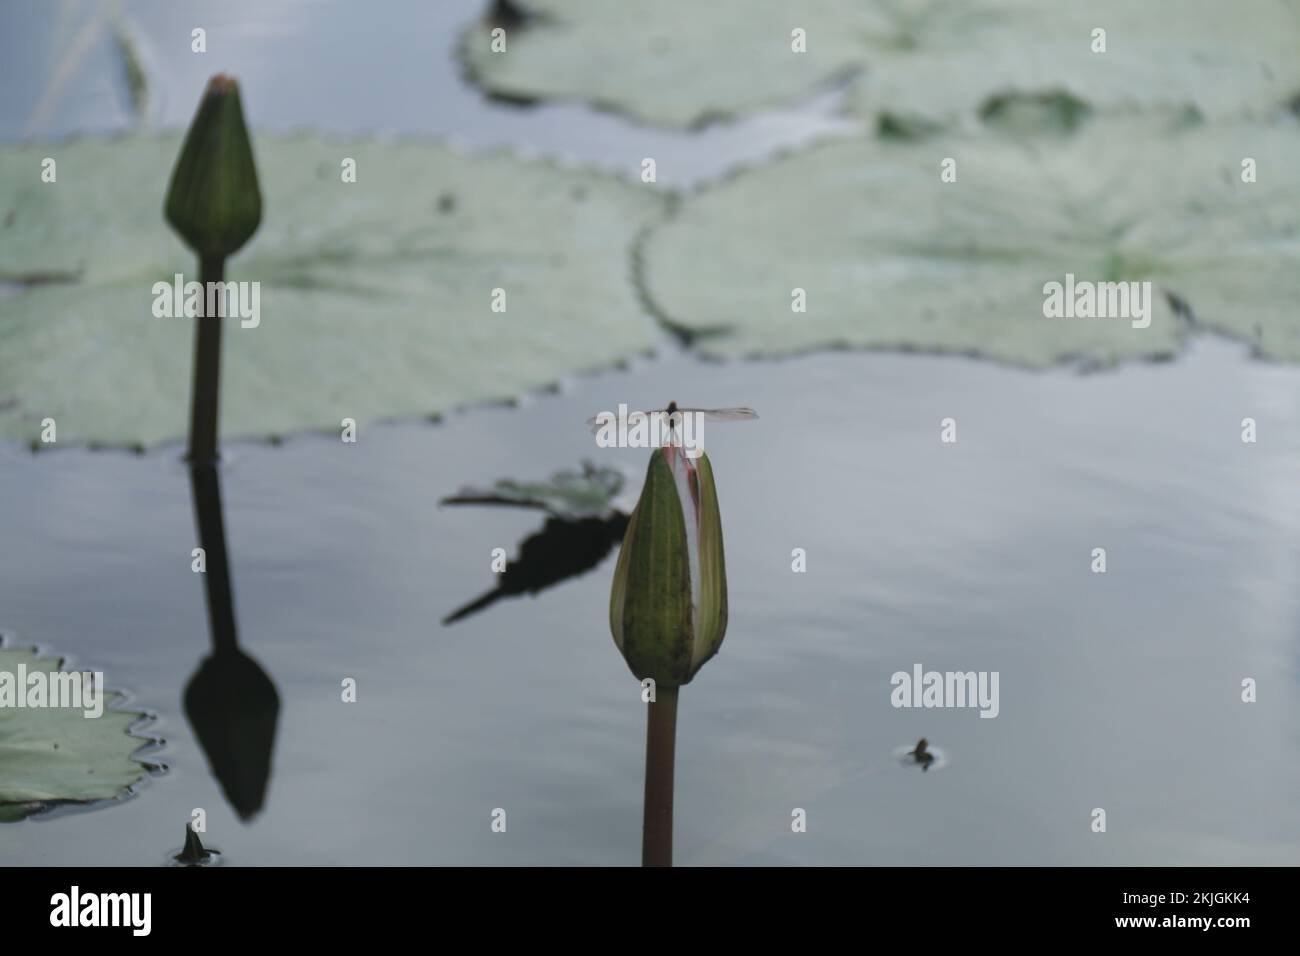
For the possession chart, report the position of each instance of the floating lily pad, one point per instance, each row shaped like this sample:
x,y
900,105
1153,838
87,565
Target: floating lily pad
x,y
570,494
891,257
948,58
375,296
670,62
54,755
680,62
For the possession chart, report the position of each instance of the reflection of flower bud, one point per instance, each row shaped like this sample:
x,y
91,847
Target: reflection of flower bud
x,y
213,201
668,607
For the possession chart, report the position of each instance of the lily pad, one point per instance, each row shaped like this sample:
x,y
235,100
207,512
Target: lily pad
x,y
670,62
891,257
948,58
680,63
590,492
375,296
52,755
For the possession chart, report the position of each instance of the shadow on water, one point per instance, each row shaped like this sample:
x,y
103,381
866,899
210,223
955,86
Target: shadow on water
x,y
563,549
230,702
582,526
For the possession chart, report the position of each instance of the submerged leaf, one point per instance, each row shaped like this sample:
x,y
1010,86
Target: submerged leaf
x,y
54,755
571,494
375,296
890,256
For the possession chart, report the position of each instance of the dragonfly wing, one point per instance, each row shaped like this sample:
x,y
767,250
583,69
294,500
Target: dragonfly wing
x,y
728,414
710,415
596,422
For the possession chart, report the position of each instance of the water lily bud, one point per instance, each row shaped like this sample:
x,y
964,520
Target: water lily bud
x,y
194,852
668,607
213,201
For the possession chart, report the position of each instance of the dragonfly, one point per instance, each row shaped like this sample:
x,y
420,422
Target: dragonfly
x,y
708,414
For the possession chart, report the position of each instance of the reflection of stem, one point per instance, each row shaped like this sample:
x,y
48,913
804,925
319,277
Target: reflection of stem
x,y
207,369
212,538
660,747
231,703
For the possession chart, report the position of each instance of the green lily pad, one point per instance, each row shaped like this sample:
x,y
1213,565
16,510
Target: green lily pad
x,y
948,58
54,755
891,257
680,62
569,494
670,62
376,296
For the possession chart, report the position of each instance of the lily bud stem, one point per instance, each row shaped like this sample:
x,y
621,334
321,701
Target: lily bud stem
x,y
660,754
207,371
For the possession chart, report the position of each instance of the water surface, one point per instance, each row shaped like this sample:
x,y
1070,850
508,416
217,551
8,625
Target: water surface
x,y
1118,691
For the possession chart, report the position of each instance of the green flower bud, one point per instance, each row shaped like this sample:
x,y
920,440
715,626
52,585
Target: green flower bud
x,y
668,606
213,200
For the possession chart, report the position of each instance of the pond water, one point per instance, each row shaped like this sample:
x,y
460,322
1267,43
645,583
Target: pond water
x,y
1118,690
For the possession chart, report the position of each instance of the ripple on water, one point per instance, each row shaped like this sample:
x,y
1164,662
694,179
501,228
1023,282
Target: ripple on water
x,y
906,755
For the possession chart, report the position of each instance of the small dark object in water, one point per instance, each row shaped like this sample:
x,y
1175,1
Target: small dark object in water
x,y
922,754
194,853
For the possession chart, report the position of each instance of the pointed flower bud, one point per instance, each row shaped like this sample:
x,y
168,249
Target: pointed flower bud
x,y
194,852
213,201
668,607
